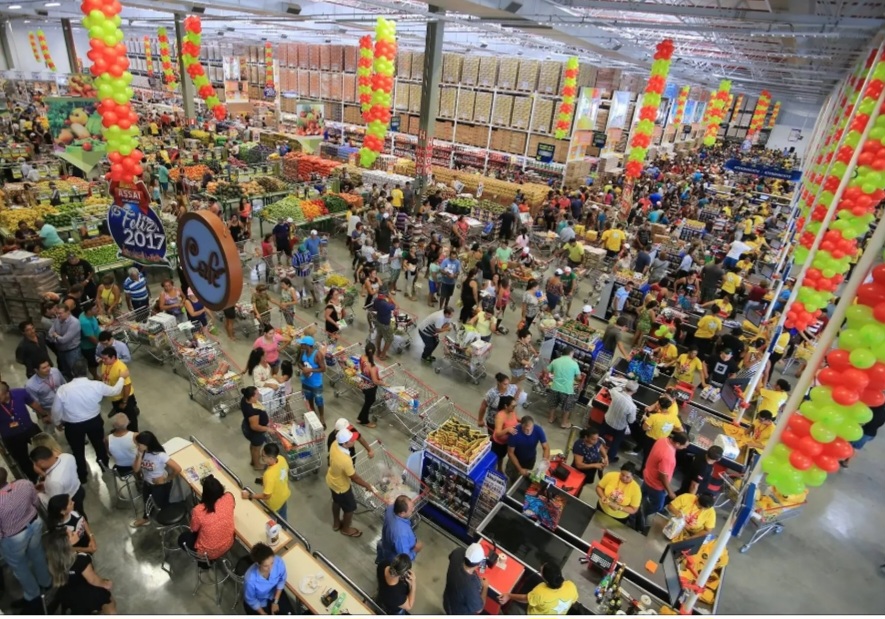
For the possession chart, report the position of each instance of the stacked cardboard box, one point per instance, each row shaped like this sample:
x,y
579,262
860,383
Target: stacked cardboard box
x,y
348,91
482,107
527,76
522,109
404,64
488,71
401,101
481,136
466,100
414,124
447,102
325,85
542,115
497,139
451,71
335,86
292,55
508,69
470,70
350,57
315,90
548,79
444,130
417,65
415,98
303,56
352,115
281,53
502,110
23,278
517,142
313,57
336,58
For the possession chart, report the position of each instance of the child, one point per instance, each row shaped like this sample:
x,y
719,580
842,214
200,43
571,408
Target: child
x,y
432,281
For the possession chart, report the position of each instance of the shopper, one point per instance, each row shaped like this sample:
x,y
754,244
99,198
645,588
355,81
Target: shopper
x,y
465,591
108,296
21,532
44,384
697,511
59,473
105,339
61,513
469,295
658,474
17,427
620,415
157,472
566,377
65,335
369,371
77,408
431,328
450,269
522,356
271,342
172,300
212,531
658,421
396,585
549,594
384,309
312,360
275,481
264,585
698,476
340,479
619,496
81,591
112,369
121,445
137,293
590,455
506,424
531,304
255,424
334,314
397,536
522,447
342,424
31,348
489,408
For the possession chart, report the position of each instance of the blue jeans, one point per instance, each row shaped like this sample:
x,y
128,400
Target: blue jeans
x,y
283,512
430,344
656,498
24,554
730,262
66,360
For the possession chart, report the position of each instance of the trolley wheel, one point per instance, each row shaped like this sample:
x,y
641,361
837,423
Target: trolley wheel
x,y
475,381
191,396
436,369
222,413
336,393
744,548
778,529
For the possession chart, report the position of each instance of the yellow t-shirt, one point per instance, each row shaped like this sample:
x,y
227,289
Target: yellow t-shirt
x,y
725,307
612,239
745,265
697,518
771,400
110,374
708,327
726,210
748,225
340,470
781,345
276,484
760,434
730,282
396,197
542,600
660,425
685,368
155,129
576,252
618,492
668,353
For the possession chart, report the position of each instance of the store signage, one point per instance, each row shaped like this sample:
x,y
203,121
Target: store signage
x,y
210,260
545,152
394,122
135,227
766,171
599,139
686,129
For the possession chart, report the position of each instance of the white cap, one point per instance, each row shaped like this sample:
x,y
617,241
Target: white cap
x,y
525,250
344,436
313,233
341,424
475,554
558,271
587,309
385,216
568,270
289,220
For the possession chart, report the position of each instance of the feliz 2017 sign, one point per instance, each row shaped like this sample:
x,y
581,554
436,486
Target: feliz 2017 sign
x,y
210,260
135,227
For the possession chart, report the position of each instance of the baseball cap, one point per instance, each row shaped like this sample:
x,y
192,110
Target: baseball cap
x,y
558,271
587,309
313,233
307,340
341,423
386,216
525,250
344,436
289,220
475,554
568,270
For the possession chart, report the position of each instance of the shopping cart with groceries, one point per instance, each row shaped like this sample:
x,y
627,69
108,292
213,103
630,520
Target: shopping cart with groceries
x,y
215,385
357,383
404,395
462,354
191,348
770,510
389,479
402,325
339,358
152,335
296,430
123,324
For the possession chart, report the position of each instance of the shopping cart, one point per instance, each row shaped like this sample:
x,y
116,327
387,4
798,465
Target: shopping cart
x,y
298,432
338,359
293,334
190,348
355,382
246,321
215,385
538,377
770,511
469,359
402,324
389,479
431,417
404,395
123,325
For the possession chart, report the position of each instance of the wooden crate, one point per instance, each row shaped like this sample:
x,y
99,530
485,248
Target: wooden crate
x,y
414,124
417,65
447,95
348,87
470,70
325,85
500,137
502,110
292,55
303,56
508,69
482,107
527,75
315,88
335,86
548,78
517,142
444,130
488,71
521,115
352,115
415,98
303,83
313,57
481,136
466,101
325,57
451,69
351,53
336,58
404,65
464,134
401,99
542,116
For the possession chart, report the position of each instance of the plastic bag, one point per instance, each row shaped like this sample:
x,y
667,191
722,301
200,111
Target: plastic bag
x,y
674,527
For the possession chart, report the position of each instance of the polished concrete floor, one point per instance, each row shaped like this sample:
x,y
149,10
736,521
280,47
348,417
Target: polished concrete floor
x,y
826,561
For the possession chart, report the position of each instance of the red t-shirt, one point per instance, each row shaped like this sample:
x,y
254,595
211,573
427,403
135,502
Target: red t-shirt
x,y
215,531
661,459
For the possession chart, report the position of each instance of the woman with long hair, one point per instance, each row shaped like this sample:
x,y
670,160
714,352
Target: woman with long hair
x,y
369,369
60,514
81,591
334,313
259,369
289,298
157,471
212,529
255,424
469,295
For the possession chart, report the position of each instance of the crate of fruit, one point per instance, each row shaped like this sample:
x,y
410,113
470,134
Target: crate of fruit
x,y
458,442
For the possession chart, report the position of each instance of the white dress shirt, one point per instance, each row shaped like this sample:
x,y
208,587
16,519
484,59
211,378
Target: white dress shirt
x,y
61,478
80,400
44,389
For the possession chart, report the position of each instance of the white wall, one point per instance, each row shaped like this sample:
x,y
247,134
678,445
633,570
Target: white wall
x,y
23,58
779,138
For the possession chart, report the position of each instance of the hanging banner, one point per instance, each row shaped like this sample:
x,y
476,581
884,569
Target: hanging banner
x,y
759,170
617,113
135,227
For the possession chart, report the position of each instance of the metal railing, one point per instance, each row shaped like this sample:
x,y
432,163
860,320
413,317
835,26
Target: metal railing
x,y
366,598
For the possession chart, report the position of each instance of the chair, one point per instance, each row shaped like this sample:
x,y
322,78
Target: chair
x,y
204,564
236,573
126,489
169,519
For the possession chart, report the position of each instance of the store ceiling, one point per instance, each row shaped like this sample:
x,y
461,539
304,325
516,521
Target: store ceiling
x,y
797,49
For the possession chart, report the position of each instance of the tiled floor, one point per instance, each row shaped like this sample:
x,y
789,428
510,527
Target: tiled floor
x,y
826,561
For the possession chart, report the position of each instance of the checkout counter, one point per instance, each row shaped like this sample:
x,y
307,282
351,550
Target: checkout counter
x,y
569,543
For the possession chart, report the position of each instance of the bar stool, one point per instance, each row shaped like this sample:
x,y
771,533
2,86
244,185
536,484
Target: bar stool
x,y
166,520
126,489
204,564
236,573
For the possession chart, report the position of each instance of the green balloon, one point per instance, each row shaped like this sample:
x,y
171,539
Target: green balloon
x,y
859,413
769,464
790,487
862,358
781,452
849,431
822,433
821,394
858,316
839,168
832,417
873,334
814,476
850,339
811,410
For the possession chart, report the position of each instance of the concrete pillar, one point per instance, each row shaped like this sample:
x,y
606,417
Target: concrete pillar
x,y
69,44
187,86
5,47
429,98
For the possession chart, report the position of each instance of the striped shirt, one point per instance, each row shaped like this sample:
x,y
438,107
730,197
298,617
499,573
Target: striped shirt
x,y
622,410
302,263
137,290
18,507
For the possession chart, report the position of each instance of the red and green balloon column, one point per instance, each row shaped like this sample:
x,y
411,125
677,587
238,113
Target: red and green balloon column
x,y
166,59
364,74
190,55
681,101
648,111
774,112
44,48
110,68
567,106
738,104
819,435
378,117
268,65
758,118
32,38
148,57
716,112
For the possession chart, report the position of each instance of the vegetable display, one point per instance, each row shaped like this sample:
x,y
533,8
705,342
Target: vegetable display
x,y
98,252
334,203
300,167
290,206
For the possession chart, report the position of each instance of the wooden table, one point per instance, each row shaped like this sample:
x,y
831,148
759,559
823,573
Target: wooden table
x,y
300,563
249,517
501,581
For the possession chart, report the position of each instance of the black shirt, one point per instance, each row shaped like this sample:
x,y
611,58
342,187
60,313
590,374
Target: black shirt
x,y
435,201
720,370
610,338
30,354
871,427
711,274
463,592
76,273
699,471
732,343
391,597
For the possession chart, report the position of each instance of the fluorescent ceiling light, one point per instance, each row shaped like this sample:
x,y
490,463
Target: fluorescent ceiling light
x,y
49,5
13,7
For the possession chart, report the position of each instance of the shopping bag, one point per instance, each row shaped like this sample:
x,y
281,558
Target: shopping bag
x,y
674,527
643,370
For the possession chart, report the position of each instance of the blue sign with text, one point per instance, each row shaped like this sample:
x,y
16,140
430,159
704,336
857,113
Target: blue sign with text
x,y
783,174
135,227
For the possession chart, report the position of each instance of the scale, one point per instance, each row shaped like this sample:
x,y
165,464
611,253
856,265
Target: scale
x,y
603,553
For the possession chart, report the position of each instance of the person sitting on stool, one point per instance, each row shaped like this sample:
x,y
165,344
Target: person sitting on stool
x,y
264,584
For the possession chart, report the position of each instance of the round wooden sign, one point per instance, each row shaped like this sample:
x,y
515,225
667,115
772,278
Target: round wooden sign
x,y
210,260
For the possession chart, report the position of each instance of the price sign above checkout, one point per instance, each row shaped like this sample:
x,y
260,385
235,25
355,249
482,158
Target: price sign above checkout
x,y
135,227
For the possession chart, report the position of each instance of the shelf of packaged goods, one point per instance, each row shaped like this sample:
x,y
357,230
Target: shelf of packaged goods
x,y
446,510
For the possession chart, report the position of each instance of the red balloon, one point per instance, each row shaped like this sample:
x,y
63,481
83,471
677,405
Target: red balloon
x,y
872,397
855,379
790,439
810,447
828,464
828,376
800,461
799,424
847,396
840,449
876,373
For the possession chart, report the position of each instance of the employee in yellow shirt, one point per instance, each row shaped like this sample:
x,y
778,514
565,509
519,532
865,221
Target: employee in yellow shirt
x,y
553,596
731,281
113,369
396,197
744,265
777,353
708,328
275,481
698,512
763,427
340,478
661,419
686,365
666,356
724,305
612,239
619,494
773,399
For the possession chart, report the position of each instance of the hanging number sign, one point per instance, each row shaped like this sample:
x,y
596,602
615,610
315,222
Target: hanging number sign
x,y
135,227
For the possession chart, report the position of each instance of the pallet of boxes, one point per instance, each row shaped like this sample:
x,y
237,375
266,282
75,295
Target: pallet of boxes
x,y
24,278
660,234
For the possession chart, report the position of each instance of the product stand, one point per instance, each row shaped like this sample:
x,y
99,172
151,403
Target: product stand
x,y
586,344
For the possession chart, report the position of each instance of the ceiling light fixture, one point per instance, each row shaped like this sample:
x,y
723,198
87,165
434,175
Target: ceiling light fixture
x,y
14,7
49,5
